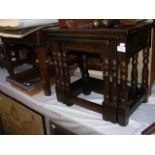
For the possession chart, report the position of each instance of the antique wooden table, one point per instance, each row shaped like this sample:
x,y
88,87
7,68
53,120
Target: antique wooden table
x,y
113,47
38,42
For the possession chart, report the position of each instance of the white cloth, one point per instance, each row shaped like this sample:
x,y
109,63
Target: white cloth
x,y
25,23
78,119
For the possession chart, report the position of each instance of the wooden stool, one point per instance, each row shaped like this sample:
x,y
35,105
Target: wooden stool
x,y
39,43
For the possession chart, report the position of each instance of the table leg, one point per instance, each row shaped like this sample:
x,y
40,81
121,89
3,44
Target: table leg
x,y
114,91
65,77
9,63
62,76
145,72
134,75
66,74
57,70
123,108
149,130
41,54
85,75
106,77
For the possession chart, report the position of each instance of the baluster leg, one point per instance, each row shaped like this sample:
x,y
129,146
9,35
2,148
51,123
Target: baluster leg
x,y
85,75
106,77
134,75
56,59
66,78
9,63
114,91
145,72
61,78
66,72
123,108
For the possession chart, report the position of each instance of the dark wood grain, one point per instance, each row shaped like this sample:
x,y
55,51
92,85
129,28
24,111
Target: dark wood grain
x,y
134,73
149,130
152,58
145,72
41,54
123,106
37,42
97,48
9,63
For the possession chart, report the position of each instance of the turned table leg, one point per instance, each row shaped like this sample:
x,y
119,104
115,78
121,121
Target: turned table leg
x,y
66,73
65,77
134,75
114,91
106,77
9,63
85,75
41,54
123,109
57,70
145,73
62,73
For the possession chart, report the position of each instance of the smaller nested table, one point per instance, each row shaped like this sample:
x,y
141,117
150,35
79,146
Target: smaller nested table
x,y
37,42
113,48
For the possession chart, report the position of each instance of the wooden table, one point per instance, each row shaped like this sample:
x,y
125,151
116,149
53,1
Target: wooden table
x,y
114,47
38,42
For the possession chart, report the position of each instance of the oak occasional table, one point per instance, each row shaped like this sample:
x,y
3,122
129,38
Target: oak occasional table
x,y
38,42
114,47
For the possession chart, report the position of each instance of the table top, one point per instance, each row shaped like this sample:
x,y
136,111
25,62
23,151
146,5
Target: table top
x,y
30,36
121,29
18,33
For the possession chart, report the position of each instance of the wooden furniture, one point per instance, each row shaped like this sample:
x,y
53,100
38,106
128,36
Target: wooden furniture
x,y
18,119
1,126
2,57
113,47
38,43
74,22
153,55
59,130
149,130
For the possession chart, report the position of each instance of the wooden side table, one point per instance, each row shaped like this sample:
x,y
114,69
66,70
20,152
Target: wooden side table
x,y
115,47
38,42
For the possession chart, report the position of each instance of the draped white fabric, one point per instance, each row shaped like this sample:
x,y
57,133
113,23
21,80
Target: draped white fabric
x,y
25,23
78,119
